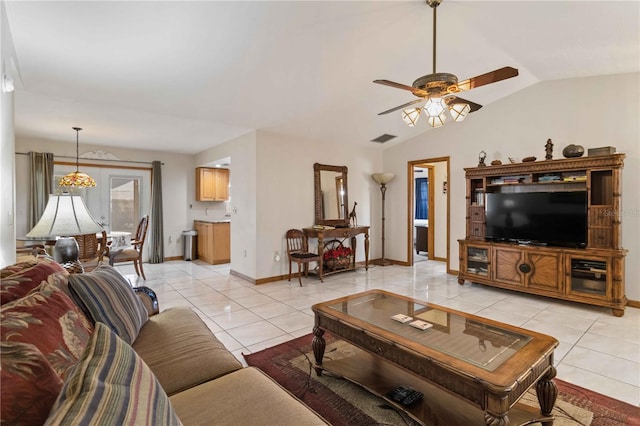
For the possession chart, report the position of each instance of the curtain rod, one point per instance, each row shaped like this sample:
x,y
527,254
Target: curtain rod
x,y
98,159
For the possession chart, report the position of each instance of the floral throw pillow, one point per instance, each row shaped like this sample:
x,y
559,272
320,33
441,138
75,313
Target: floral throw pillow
x,y
42,335
20,278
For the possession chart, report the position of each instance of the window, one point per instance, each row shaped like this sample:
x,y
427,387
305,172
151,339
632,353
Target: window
x,y
422,198
124,201
120,198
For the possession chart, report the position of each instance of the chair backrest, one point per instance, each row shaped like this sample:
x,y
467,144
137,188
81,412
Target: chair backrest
x,y
88,245
296,242
141,232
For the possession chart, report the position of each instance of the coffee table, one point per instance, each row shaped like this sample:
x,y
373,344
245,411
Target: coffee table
x,y
470,369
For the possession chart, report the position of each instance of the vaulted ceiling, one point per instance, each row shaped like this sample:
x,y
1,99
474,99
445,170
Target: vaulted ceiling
x,y
183,76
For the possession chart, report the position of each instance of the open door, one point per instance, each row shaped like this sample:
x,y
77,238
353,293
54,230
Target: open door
x,y
428,210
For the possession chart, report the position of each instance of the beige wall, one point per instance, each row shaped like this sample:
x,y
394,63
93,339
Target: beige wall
x,y
593,112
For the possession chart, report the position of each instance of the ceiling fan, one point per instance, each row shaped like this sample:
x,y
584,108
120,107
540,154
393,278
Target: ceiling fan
x,y
440,89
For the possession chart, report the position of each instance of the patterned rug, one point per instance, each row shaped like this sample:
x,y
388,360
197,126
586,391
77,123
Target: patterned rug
x,y
341,402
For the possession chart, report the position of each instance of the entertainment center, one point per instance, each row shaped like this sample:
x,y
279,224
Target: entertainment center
x,y
549,227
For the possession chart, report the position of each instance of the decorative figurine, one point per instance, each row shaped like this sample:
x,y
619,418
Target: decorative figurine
x,y
481,158
352,215
496,163
512,160
549,149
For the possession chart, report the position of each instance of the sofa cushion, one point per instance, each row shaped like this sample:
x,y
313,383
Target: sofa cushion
x,y
236,398
111,385
181,350
20,278
43,334
108,298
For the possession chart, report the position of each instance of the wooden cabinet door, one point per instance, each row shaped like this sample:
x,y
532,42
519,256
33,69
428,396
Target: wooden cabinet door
x,y
221,184
205,184
506,262
205,231
221,244
546,270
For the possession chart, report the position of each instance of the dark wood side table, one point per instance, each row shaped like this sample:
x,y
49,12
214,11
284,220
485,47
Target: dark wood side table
x,y
340,233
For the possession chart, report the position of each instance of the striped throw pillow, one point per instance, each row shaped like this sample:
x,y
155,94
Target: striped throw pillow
x,y
111,385
107,297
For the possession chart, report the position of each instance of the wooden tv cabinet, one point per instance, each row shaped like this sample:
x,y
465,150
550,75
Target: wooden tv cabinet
x,y
593,275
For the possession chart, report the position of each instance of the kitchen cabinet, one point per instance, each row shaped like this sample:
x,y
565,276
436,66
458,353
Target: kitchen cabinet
x,y
212,184
214,241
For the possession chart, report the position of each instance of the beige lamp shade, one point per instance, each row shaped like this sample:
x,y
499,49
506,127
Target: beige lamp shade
x,y
65,215
383,178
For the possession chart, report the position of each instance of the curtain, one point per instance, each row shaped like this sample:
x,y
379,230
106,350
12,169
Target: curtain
x,y
422,198
40,184
156,235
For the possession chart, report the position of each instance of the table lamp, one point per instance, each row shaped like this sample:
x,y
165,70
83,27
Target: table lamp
x,y
64,216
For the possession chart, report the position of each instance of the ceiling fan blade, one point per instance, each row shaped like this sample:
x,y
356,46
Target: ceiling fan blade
x,y
401,106
394,84
456,100
488,78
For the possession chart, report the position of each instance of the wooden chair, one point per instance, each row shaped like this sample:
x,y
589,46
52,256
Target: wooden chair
x,y
134,253
91,251
298,251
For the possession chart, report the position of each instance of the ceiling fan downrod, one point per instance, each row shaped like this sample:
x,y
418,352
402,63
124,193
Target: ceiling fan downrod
x,y
434,5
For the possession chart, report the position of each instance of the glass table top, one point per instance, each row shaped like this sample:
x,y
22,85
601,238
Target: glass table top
x,y
471,340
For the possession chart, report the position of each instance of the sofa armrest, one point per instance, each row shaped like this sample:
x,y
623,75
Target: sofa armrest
x,y
149,299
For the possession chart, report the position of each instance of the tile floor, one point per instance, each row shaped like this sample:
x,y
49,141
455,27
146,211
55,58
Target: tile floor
x,y
597,350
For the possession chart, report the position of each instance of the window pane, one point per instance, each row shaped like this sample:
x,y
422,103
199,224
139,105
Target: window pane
x,y
125,204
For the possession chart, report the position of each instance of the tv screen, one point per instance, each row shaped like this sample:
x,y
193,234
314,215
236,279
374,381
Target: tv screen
x,y
554,218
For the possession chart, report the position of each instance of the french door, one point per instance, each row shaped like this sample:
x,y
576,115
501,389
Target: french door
x,y
120,198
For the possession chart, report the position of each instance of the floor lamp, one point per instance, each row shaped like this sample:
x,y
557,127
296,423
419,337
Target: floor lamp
x,y
64,216
383,179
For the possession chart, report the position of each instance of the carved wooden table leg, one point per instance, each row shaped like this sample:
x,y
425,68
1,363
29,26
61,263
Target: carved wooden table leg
x,y
318,344
491,420
547,393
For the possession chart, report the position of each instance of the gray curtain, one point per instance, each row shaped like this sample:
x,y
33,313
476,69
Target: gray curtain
x,y
40,184
156,234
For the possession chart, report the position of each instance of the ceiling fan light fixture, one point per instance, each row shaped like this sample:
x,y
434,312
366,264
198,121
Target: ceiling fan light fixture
x,y
410,116
437,121
434,107
459,111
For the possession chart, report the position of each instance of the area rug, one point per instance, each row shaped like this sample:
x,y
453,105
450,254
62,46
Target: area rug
x,y
344,403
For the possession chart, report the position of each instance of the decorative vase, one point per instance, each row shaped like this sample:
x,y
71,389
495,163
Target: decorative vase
x,y
572,151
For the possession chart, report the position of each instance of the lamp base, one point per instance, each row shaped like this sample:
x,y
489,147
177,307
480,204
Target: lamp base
x,y
384,262
66,253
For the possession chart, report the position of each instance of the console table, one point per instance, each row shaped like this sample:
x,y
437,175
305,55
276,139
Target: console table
x,y
340,233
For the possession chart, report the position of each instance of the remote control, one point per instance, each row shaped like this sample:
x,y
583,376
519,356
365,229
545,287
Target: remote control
x,y
405,395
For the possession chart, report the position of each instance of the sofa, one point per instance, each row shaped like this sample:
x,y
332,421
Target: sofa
x,y
89,349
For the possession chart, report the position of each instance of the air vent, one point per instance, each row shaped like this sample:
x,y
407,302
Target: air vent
x,y
383,138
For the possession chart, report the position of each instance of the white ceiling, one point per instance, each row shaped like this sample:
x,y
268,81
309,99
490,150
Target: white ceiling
x,y
183,76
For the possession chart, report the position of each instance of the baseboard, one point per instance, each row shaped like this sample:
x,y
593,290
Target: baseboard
x,y
166,259
633,303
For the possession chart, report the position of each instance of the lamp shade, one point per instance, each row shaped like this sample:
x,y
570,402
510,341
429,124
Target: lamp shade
x,y
65,215
383,178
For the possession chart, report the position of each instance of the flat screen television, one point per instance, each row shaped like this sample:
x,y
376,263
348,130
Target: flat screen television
x,y
549,218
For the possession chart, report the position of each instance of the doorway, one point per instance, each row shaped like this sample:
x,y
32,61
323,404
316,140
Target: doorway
x,y
428,210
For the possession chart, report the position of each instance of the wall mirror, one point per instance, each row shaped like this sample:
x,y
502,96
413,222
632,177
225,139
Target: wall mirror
x,y
331,195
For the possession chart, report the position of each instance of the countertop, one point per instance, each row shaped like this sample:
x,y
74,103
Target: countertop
x,y
222,220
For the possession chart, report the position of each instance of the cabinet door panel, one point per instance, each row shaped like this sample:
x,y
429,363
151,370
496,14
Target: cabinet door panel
x,y
506,263
546,271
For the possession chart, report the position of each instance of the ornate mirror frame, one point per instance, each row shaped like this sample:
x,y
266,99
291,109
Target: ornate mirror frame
x,y
320,220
